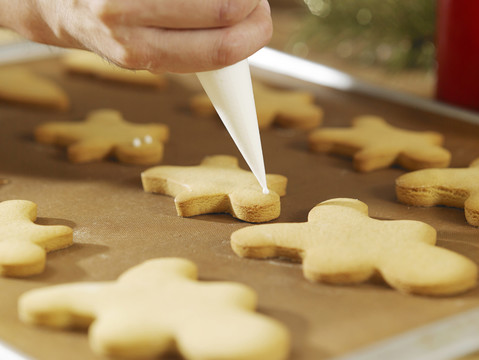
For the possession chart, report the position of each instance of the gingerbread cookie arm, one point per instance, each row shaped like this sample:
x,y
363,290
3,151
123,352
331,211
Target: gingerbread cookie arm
x,y
157,180
268,241
424,157
430,187
21,259
62,134
339,141
61,306
51,237
305,118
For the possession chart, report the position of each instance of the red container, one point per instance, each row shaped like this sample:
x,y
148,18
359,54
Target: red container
x,y
458,52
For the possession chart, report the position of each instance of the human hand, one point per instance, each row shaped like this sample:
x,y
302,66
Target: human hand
x,y
157,35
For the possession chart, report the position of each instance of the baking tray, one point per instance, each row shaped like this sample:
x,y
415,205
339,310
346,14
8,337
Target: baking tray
x,y
117,225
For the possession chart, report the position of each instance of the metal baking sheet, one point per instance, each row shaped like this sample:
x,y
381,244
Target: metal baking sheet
x,y
117,225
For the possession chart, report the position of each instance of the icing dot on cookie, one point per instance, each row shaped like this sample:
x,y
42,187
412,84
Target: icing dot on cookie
x,y
148,139
136,142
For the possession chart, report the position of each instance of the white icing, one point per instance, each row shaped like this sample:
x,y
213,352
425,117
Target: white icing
x,y
231,92
136,142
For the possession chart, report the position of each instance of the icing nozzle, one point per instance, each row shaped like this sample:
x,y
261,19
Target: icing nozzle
x,y
231,92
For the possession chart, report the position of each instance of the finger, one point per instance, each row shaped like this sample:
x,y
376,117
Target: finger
x,y
177,14
185,51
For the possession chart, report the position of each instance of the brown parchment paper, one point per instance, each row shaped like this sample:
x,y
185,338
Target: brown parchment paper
x,y
117,225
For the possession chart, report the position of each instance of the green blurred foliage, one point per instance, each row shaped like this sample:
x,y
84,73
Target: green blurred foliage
x,y
396,34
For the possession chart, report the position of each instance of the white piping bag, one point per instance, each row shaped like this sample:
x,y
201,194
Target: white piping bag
x,y
231,92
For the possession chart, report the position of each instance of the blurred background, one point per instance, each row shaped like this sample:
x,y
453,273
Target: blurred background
x,y
385,42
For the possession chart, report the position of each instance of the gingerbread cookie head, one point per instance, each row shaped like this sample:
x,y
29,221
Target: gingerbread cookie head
x,y
450,187
20,85
159,307
289,109
374,144
105,133
24,244
217,185
88,63
341,244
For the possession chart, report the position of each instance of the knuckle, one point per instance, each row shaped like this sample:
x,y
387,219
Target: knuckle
x,y
226,51
231,11
233,46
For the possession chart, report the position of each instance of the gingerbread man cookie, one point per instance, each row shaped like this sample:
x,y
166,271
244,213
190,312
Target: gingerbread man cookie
x,y
291,109
88,63
217,185
374,144
24,244
20,85
105,133
449,187
159,307
341,244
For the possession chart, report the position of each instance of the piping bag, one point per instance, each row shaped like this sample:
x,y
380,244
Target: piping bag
x,y
231,92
